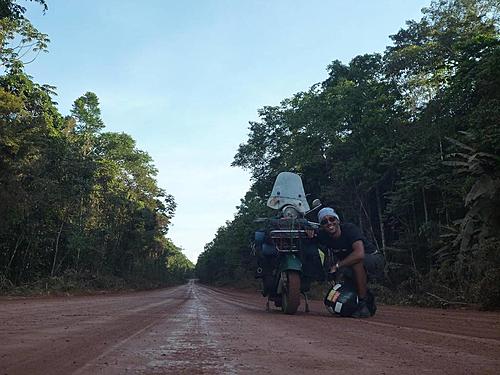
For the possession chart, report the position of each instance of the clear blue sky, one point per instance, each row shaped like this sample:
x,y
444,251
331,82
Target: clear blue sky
x,y
184,78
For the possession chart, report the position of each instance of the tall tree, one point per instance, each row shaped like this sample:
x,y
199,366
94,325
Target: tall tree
x,y
373,140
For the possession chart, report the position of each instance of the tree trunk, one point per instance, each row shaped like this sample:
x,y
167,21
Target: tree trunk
x,y
77,265
381,222
57,248
413,217
426,214
441,149
81,230
7,269
445,205
23,263
369,222
360,217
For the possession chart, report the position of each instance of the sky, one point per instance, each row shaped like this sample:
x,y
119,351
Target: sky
x,y
185,77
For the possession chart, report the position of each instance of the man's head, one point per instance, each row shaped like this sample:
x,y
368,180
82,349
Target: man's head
x,y
329,221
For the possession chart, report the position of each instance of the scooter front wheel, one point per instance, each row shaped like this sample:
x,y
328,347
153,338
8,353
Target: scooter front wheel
x,y
291,292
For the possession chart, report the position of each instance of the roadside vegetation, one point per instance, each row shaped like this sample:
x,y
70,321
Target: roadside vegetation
x,y
404,143
80,208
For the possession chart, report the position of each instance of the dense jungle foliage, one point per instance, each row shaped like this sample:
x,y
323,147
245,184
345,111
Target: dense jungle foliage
x,y
76,203
405,144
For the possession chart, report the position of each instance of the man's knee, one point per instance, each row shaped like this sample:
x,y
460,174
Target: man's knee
x,y
374,264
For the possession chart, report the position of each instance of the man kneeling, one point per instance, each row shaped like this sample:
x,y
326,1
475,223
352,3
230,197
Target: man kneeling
x,y
350,249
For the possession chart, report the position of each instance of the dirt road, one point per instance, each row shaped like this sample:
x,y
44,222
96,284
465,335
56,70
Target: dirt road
x,y
192,329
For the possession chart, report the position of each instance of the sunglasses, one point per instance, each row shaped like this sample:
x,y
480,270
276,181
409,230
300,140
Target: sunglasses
x,y
327,220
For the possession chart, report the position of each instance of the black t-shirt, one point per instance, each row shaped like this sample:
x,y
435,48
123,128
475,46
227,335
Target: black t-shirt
x,y
342,246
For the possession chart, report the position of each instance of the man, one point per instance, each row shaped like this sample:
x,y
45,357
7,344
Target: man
x,y
350,249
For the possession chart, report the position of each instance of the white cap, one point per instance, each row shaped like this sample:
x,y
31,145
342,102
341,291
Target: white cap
x,y
327,211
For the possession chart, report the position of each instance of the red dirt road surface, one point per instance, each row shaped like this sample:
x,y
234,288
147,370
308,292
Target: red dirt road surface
x,y
193,329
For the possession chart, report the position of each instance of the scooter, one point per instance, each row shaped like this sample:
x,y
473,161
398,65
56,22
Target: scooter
x,y
286,254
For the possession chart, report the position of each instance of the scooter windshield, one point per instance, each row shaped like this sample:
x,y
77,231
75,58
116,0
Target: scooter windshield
x,y
288,190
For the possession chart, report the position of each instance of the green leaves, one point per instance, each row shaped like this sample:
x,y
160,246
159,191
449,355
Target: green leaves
x,y
73,198
20,43
10,9
87,113
405,144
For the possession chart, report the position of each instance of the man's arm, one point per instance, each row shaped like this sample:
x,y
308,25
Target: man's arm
x,y
357,255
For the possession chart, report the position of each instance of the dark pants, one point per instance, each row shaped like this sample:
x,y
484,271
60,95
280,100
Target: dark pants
x,y
374,265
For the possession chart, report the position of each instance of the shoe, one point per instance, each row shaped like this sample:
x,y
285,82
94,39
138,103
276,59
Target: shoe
x,y
268,284
370,303
362,311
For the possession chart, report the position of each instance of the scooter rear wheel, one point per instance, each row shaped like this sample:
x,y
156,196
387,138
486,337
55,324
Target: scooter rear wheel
x,y
291,293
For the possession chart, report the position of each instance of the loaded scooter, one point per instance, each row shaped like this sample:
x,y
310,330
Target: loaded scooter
x,y
288,259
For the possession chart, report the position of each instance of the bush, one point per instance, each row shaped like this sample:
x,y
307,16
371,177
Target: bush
x,y
490,289
5,284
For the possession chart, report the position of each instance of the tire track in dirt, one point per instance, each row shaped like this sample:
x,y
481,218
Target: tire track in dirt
x,y
205,330
64,342
179,344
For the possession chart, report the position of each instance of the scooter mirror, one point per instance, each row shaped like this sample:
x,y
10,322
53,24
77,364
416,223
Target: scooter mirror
x,y
316,203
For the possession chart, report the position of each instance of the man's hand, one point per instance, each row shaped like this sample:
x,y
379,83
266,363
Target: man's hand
x,y
334,268
311,233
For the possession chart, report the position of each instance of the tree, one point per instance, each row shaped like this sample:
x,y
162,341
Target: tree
x,y
18,37
371,140
73,199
